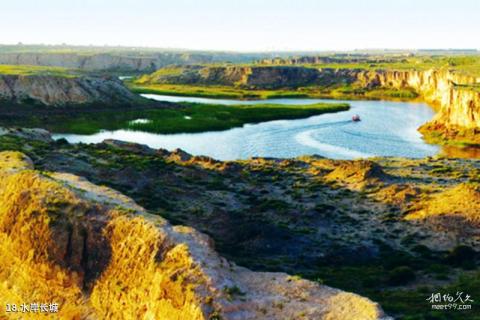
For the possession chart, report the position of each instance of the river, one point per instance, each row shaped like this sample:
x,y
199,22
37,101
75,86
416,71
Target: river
x,y
387,129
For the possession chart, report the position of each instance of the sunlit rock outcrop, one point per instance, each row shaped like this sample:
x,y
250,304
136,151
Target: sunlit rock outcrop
x,y
458,115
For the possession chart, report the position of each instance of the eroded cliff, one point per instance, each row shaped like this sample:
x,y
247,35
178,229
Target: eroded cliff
x,y
119,59
62,90
99,255
456,96
241,76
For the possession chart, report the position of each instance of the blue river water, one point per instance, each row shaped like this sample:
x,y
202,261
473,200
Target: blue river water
x,y
387,129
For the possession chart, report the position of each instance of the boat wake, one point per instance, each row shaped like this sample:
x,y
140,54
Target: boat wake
x,y
306,138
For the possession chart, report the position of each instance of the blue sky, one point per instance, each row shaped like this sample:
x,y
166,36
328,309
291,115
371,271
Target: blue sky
x,y
245,25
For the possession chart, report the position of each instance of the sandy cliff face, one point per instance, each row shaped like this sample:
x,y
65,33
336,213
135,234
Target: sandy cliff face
x,y
458,105
101,256
53,90
280,77
79,61
242,76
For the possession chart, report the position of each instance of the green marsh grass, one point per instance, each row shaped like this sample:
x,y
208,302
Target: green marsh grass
x,y
189,118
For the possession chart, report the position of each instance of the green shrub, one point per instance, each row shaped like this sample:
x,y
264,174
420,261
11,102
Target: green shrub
x,y
400,276
462,256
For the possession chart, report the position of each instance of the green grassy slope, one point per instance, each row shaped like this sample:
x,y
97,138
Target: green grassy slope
x,y
27,70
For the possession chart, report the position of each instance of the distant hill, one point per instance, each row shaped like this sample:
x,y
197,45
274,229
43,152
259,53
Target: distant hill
x,y
115,58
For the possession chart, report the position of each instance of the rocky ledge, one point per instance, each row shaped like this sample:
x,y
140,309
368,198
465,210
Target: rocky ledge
x,y
100,255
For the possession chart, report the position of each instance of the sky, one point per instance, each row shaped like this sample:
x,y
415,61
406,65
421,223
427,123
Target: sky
x,y
245,25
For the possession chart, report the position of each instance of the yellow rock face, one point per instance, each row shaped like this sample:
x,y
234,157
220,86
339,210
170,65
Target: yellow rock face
x,y
459,202
27,275
458,106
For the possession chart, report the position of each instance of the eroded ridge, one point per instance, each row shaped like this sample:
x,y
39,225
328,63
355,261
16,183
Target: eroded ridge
x,y
101,256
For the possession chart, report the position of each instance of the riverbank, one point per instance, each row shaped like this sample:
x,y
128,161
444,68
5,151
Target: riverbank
x,y
225,92
98,254
392,229
450,85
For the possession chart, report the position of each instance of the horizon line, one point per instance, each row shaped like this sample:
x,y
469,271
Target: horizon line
x,y
95,46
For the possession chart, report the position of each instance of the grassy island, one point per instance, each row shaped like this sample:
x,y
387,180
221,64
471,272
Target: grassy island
x,y
179,118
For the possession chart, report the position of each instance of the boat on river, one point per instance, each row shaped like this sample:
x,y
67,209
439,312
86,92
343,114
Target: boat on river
x,y
356,118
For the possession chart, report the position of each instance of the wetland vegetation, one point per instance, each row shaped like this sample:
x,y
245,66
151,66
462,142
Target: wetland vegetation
x,y
172,118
